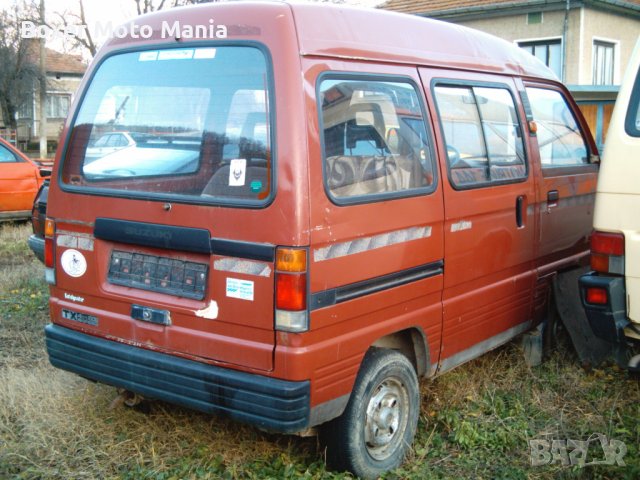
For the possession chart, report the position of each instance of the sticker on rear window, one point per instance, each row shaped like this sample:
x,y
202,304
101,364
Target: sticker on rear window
x,y
242,289
148,56
175,54
237,172
73,263
201,53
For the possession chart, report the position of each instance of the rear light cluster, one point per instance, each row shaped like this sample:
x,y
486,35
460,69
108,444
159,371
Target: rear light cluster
x,y
607,253
49,251
607,256
291,290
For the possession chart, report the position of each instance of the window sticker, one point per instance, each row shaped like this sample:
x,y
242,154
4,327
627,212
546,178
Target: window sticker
x,y
237,172
203,53
148,56
175,54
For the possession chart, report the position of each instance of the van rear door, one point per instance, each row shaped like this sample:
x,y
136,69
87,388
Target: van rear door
x,y
164,245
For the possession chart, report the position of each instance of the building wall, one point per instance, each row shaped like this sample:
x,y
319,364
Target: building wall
x,y
584,25
607,26
514,28
29,128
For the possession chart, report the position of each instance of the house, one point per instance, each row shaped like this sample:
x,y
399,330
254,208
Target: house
x,y
64,74
586,43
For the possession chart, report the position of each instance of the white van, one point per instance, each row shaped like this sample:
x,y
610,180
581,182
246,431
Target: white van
x,y
611,293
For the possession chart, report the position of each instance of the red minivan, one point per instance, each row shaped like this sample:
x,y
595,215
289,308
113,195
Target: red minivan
x,y
324,205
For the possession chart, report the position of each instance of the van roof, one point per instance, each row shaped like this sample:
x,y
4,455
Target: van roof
x,y
339,31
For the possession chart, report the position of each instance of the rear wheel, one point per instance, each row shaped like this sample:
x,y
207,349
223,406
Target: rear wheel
x,y
377,427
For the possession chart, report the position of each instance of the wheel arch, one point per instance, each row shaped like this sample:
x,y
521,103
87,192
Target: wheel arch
x,y
411,342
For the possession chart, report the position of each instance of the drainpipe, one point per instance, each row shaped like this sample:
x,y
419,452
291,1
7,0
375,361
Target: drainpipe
x,y
565,29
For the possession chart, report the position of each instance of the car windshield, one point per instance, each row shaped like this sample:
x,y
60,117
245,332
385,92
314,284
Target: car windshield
x,y
188,122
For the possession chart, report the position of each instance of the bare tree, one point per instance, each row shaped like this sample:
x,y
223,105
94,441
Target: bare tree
x,y
77,18
18,72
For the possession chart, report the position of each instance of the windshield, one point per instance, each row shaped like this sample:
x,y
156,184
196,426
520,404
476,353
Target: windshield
x,y
188,122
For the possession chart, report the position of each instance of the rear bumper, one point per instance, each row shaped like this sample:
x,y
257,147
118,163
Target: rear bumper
x,y
36,244
607,321
267,403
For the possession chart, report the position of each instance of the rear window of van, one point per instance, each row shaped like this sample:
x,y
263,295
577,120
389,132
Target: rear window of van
x,y
185,123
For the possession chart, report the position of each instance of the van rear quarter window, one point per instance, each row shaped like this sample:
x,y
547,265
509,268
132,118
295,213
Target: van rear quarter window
x,y
559,137
374,139
192,123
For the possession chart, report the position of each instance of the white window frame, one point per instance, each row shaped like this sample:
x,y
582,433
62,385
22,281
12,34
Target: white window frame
x,y
616,57
58,93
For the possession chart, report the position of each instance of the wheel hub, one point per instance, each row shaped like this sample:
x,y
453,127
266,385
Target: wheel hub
x,y
386,418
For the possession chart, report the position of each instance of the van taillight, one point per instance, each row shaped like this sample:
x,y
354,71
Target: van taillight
x,y
49,250
291,290
607,252
596,296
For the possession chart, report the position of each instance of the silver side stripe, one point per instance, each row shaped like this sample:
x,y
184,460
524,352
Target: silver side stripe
x,y
365,244
248,267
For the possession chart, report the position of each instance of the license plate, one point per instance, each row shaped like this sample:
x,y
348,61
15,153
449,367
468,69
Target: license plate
x,y
80,317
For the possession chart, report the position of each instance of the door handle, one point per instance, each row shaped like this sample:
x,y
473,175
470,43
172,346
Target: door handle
x,y
552,199
519,211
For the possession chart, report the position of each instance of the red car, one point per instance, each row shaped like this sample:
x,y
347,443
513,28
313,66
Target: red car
x,y
20,179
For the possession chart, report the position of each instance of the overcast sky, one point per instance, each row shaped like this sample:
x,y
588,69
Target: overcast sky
x,y
115,12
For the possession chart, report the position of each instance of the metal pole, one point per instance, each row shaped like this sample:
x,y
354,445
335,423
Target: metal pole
x,y
43,91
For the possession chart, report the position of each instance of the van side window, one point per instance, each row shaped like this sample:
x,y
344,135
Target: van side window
x,y
632,121
374,139
482,134
559,137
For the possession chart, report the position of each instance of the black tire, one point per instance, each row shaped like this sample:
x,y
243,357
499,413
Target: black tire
x,y
377,427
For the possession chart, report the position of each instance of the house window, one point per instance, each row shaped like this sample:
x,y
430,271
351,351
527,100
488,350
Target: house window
x,y
26,109
58,105
534,18
603,62
548,52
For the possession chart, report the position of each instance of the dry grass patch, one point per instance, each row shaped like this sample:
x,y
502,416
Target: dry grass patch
x,y
475,421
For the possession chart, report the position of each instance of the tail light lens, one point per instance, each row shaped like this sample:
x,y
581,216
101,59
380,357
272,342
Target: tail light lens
x,y
607,253
49,251
596,296
291,290
49,232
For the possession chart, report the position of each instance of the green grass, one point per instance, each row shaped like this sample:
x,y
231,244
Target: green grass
x,y
475,421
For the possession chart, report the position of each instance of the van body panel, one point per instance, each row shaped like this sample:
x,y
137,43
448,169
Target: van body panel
x,y
618,192
488,257
616,212
400,258
355,34
564,196
241,332
355,248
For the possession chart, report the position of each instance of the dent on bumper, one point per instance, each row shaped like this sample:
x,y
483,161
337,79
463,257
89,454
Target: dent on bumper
x,y
268,403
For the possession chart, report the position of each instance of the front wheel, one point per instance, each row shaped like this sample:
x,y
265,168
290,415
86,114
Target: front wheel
x,y
379,423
